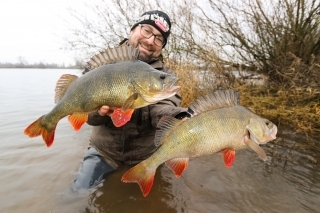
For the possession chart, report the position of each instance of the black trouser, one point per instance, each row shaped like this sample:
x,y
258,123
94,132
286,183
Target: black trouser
x,y
92,171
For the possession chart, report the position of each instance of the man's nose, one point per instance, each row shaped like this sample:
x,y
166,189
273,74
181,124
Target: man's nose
x,y
150,40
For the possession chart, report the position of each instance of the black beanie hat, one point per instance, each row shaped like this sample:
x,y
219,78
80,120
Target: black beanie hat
x,y
159,20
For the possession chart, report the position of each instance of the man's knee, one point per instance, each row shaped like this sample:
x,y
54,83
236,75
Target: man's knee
x,y
92,171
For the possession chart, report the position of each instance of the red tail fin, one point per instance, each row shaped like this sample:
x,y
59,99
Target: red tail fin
x,y
77,120
36,128
228,157
141,175
120,117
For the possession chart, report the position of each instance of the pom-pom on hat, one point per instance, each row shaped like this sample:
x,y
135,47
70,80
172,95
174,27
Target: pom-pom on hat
x,y
157,19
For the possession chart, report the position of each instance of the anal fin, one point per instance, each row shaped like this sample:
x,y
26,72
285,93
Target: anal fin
x,y
178,165
77,120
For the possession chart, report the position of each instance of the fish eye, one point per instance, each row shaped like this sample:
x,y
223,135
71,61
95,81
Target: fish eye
x,y
162,76
267,122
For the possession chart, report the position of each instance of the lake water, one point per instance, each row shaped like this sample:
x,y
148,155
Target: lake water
x,y
37,179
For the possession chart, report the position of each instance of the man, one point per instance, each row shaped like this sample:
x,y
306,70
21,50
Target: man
x,y
112,146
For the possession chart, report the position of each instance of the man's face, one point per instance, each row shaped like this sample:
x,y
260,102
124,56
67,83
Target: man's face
x,y
148,50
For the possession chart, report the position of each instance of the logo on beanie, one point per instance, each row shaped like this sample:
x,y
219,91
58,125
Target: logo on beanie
x,y
161,25
158,20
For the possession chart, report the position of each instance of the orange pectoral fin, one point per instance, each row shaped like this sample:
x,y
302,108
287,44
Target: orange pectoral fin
x,y
120,118
178,165
77,120
228,157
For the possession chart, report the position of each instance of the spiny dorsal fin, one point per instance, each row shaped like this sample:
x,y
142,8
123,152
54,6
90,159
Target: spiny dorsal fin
x,y
112,55
164,126
62,85
215,100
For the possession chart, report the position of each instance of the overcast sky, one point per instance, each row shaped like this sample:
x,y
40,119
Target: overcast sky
x,y
33,30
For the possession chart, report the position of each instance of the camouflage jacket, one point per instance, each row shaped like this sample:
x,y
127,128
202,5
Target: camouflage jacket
x,y
133,142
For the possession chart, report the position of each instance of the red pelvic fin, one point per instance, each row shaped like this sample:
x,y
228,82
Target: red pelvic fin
x,y
140,174
178,165
228,157
36,128
77,120
120,117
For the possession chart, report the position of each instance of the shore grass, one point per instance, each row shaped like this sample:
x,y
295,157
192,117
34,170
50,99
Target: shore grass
x,y
295,108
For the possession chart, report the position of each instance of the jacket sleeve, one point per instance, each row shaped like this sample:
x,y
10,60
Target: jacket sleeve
x,y
170,107
94,119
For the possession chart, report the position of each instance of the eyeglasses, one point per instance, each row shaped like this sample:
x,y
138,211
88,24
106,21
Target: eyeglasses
x,y
147,33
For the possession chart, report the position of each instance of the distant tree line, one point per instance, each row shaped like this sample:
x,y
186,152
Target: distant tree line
x,y
41,65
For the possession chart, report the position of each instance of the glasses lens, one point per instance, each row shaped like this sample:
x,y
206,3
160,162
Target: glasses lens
x,y
158,41
147,33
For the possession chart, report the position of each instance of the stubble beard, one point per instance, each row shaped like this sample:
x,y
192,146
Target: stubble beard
x,y
144,57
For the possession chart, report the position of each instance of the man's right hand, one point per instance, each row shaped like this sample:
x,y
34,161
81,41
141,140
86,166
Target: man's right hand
x,y
105,110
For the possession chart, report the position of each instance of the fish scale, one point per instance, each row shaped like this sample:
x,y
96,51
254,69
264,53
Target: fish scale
x,y
219,124
122,85
211,132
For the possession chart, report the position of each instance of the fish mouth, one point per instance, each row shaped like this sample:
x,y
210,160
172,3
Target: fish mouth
x,y
169,89
268,136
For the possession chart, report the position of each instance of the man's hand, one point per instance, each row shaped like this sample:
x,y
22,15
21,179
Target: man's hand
x,y
105,110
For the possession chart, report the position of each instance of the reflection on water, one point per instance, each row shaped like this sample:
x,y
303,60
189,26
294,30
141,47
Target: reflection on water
x,y
35,178
297,160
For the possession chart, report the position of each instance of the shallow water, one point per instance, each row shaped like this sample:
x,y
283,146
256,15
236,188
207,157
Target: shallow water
x,y
37,179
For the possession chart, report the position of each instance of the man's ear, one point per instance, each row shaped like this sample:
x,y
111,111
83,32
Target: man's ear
x,y
133,30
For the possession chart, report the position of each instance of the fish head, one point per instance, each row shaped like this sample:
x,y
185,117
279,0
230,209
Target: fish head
x,y
261,130
155,85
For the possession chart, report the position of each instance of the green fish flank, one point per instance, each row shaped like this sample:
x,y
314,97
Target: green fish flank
x,y
126,85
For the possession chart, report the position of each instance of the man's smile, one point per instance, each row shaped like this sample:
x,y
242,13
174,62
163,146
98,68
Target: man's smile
x,y
144,47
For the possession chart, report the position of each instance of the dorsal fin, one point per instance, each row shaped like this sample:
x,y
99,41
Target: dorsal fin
x,y
62,85
112,55
215,100
164,126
